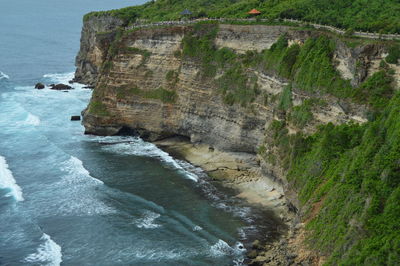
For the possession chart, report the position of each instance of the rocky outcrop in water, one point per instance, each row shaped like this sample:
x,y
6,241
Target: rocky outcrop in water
x,y
60,87
39,86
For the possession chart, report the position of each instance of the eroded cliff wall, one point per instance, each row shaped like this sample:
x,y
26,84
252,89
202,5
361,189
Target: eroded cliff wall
x,y
144,82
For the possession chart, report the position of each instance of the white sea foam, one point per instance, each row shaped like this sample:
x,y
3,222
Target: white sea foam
x,y
48,253
221,248
4,76
60,77
197,228
7,181
32,120
147,220
138,147
74,167
79,191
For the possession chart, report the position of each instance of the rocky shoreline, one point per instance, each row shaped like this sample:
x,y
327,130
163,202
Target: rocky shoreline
x,y
241,172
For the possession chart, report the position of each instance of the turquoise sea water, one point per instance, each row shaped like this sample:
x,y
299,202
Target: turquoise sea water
x,y
71,199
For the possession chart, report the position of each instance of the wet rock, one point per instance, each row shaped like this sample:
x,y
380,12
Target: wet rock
x,y
60,87
75,118
252,254
39,86
257,245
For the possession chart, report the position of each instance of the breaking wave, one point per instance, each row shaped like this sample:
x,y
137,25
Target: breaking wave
x,y
221,248
60,78
48,253
7,181
74,167
4,76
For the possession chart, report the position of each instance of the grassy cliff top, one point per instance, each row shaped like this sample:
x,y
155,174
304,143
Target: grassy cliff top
x,y
367,15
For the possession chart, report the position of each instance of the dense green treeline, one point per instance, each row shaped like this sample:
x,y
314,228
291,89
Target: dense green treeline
x,y
368,15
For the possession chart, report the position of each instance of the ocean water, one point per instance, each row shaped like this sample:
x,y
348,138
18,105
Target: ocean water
x,y
71,199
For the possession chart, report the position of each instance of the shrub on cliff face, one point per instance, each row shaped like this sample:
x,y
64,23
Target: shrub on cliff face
x,y
310,67
376,90
199,45
172,77
302,114
394,55
285,101
235,84
314,69
98,108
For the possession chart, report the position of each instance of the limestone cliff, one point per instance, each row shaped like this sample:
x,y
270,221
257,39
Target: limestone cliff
x,y
143,61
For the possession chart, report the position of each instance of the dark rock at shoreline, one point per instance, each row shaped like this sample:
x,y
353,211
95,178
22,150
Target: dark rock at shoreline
x,y
257,245
88,87
60,87
71,81
76,118
39,86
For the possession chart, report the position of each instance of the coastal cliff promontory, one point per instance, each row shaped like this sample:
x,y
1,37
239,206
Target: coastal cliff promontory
x,y
305,102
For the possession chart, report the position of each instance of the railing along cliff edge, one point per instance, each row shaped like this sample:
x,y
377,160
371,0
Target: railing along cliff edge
x,y
368,35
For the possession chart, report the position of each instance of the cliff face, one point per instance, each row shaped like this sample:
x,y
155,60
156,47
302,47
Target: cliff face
x,y
92,53
147,65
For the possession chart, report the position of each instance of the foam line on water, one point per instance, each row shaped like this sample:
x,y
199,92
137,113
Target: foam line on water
x,y
60,77
4,75
48,253
74,167
138,147
7,181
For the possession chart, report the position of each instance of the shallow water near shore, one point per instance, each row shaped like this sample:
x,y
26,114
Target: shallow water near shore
x,y
71,199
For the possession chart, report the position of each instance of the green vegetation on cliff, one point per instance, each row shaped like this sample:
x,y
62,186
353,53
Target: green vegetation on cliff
x,y
372,15
309,67
98,108
235,83
349,178
353,171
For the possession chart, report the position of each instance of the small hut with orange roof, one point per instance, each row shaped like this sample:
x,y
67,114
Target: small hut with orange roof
x,y
254,12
